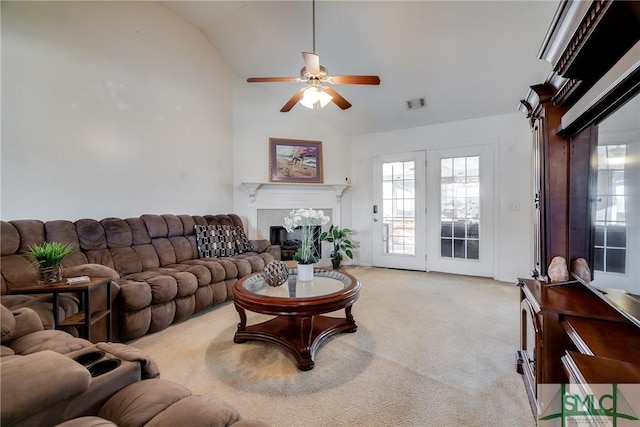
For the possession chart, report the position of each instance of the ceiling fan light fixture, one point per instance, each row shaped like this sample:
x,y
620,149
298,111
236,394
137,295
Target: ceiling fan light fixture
x,y
315,97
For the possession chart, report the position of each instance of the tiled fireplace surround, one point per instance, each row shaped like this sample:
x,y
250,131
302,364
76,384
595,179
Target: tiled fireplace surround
x,y
270,203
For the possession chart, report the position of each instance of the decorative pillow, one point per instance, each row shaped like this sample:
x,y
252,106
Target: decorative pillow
x,y
215,241
242,243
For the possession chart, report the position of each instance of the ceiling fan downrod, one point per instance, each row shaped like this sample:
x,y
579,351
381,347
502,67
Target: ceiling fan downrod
x,y
313,24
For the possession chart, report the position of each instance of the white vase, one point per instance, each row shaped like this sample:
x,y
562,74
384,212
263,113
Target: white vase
x,y
305,272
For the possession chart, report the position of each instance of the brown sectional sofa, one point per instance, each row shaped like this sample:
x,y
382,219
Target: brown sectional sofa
x,y
159,278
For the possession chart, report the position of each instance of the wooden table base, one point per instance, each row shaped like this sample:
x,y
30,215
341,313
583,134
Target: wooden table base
x,y
301,335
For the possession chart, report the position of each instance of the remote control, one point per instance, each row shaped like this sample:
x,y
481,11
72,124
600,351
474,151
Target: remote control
x,y
76,280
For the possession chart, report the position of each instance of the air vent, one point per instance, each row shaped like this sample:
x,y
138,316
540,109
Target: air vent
x,y
414,104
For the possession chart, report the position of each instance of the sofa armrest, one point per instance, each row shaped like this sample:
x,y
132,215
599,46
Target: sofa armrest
x,y
274,251
19,322
27,322
260,245
264,246
32,383
95,270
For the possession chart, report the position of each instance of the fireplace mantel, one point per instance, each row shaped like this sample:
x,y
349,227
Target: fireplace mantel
x,y
253,187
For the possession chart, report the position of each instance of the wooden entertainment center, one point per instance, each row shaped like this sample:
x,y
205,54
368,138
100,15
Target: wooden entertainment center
x,y
572,332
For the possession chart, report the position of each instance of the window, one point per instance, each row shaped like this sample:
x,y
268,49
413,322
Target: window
x,y
460,207
398,210
611,226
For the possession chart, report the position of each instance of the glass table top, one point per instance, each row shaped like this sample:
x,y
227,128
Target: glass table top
x,y
323,283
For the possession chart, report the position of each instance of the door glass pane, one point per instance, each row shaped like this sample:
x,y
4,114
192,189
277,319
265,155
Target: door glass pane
x,y
398,207
611,227
460,201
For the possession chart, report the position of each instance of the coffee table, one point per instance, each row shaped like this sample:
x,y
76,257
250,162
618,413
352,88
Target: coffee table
x,y
298,325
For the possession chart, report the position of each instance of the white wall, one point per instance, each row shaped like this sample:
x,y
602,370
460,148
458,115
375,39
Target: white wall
x,y
111,109
257,117
512,140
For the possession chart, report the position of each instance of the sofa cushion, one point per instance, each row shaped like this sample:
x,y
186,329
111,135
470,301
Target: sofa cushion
x,y
126,260
10,241
188,224
148,256
7,323
138,403
91,235
31,232
138,231
18,271
24,320
156,225
215,241
174,225
37,381
199,410
49,339
165,251
65,232
88,421
118,233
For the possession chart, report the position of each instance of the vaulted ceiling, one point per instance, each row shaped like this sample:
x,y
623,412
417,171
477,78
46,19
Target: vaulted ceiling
x,y
466,58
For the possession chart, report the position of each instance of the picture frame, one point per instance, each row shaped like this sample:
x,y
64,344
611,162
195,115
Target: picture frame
x,y
295,161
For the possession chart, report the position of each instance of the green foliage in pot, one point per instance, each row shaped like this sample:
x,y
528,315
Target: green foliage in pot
x,y
342,246
49,254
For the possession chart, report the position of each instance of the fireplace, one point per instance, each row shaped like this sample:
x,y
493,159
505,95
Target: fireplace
x,y
290,241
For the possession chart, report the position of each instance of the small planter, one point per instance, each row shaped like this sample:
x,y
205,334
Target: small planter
x,y
305,272
50,275
336,260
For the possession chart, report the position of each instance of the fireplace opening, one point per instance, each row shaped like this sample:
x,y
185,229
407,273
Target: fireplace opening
x,y
290,241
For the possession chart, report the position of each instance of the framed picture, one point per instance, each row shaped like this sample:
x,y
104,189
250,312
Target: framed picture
x,y
295,160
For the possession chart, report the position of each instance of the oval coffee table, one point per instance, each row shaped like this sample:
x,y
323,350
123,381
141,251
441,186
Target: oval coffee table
x,y
297,306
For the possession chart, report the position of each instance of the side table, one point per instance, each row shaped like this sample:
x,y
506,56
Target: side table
x,y
85,317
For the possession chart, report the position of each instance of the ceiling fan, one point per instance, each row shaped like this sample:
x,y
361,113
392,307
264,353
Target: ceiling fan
x,y
314,95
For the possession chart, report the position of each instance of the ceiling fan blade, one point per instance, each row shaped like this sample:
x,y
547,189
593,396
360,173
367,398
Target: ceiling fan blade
x,y
311,62
337,98
272,79
355,80
292,101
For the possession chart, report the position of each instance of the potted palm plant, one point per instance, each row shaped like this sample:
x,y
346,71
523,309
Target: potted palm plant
x,y
48,258
342,246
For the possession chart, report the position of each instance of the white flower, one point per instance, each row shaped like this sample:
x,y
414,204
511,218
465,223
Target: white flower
x,y
306,219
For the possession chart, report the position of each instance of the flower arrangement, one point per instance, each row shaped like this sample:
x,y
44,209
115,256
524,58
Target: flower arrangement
x,y
306,219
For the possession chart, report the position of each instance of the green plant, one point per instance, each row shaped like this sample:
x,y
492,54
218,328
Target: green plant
x,y
49,254
339,237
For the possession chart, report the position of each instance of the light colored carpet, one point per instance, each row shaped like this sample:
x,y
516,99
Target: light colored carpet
x,y
431,350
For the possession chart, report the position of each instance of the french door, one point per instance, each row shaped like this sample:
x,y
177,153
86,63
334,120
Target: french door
x,y
461,211
398,211
437,218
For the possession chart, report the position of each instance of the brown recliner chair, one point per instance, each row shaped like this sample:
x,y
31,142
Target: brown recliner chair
x,y
49,377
